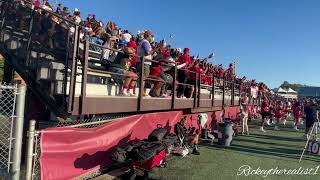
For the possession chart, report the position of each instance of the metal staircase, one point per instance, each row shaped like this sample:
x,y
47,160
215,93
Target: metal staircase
x,y
26,48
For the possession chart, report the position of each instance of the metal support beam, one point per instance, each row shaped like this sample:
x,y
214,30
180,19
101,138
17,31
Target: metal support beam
x,y
223,92
199,90
174,86
30,149
84,76
141,84
213,91
18,133
195,91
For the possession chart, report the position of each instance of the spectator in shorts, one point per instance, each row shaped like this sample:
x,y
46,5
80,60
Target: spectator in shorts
x,y
244,115
312,116
124,77
145,51
265,113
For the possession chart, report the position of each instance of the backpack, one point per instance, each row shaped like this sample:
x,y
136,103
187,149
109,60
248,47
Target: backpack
x,y
146,151
158,134
119,156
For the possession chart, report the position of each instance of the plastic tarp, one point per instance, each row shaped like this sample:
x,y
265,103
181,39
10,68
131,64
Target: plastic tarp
x,y
68,153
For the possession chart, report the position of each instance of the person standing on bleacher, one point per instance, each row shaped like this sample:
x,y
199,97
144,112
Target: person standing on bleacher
x,y
145,51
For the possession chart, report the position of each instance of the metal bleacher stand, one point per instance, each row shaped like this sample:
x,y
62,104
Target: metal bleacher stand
x,y
70,79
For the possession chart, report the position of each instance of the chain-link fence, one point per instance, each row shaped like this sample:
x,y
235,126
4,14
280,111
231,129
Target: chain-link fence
x,y
8,95
36,174
89,121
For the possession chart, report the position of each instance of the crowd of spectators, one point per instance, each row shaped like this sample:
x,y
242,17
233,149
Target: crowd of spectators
x,y
158,57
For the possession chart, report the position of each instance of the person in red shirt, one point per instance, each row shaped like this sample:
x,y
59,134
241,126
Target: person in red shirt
x,y
37,3
265,112
133,60
156,70
278,114
297,111
195,69
221,75
184,61
165,52
229,73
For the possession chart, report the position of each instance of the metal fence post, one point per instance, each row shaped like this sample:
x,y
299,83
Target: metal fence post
x,y
30,148
223,92
16,155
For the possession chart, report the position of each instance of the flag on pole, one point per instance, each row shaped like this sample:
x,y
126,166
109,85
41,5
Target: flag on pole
x,y
211,56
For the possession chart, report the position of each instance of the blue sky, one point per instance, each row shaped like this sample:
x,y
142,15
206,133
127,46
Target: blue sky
x,y
272,40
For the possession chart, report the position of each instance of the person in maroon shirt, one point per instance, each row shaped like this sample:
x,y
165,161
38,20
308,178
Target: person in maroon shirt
x,y
229,73
156,70
185,61
297,111
265,112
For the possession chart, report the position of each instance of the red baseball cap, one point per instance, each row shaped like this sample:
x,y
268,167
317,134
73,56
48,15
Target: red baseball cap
x,y
186,50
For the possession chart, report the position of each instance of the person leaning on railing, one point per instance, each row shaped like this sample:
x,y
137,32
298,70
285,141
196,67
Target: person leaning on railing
x,y
121,67
159,71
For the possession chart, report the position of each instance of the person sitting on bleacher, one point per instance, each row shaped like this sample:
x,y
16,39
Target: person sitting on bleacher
x,y
155,71
121,66
187,136
107,56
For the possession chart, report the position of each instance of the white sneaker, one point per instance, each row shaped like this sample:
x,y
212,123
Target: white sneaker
x,y
123,93
296,128
284,122
262,129
301,122
267,121
276,128
164,96
131,94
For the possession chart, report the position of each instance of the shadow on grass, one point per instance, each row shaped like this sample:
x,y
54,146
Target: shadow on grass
x,y
292,154
267,143
278,138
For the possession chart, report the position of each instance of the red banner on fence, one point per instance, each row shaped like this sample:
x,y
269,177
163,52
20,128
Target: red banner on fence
x,y
67,153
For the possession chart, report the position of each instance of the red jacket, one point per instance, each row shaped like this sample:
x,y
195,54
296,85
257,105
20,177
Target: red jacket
x,y
184,59
156,70
264,106
165,53
192,75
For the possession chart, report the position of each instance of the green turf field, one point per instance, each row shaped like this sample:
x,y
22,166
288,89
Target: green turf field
x,y
273,149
